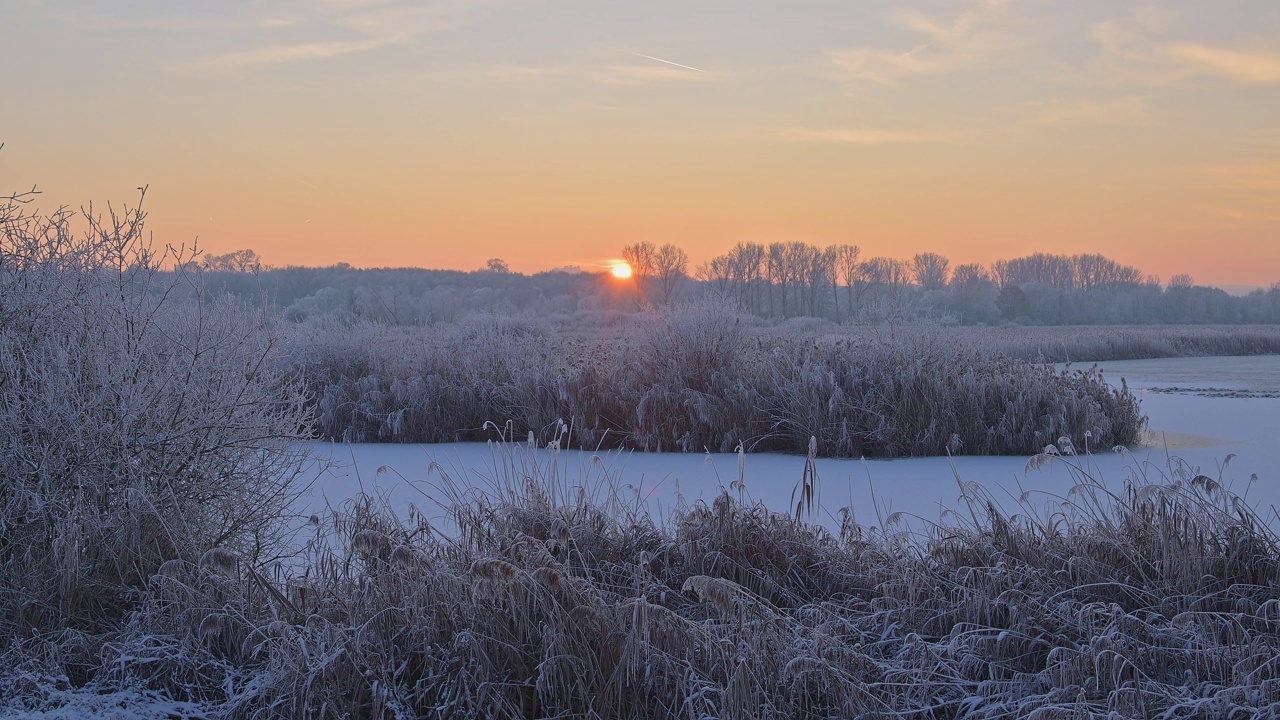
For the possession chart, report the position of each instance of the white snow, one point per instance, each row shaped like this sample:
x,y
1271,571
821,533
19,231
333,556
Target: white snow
x,y
55,702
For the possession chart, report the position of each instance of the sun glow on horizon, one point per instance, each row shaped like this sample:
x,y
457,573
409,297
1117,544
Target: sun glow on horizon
x,y
621,271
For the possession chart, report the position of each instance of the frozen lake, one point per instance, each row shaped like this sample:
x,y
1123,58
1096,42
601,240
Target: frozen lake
x,y
1201,410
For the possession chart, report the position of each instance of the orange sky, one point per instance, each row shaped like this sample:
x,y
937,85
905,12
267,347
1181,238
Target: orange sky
x,y
443,133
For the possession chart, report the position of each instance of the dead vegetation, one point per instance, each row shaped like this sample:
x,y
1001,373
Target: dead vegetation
x,y
147,449
696,378
1158,601
1119,342
140,424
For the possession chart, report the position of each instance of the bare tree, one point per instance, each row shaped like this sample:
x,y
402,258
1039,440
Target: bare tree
x,y
670,265
974,291
1055,271
886,280
885,271
847,257
497,265
718,276
240,261
968,274
930,270
1093,271
640,257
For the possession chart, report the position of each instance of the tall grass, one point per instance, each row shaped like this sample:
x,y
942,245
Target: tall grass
x,y
698,378
1156,601
1120,342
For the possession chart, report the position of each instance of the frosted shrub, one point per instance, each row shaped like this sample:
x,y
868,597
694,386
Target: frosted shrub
x,y
140,421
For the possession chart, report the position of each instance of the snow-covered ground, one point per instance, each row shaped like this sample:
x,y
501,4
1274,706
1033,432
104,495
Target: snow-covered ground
x,y
1202,411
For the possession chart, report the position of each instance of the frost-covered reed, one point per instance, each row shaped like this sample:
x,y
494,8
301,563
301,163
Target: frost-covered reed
x,y
1118,342
1160,600
697,378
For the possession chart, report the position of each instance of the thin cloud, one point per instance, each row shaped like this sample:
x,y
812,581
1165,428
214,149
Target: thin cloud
x,y
1131,110
1134,51
969,40
149,24
860,136
1243,67
369,25
518,73
282,54
648,75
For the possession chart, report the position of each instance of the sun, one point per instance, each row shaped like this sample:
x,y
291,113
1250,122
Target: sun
x,y
621,271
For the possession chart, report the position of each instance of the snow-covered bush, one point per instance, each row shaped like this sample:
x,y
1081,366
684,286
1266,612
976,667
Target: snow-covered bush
x,y
141,420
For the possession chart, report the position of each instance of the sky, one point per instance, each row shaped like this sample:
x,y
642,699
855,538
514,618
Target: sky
x,y
442,133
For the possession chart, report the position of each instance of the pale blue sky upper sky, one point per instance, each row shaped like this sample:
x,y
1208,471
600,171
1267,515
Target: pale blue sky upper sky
x,y
444,133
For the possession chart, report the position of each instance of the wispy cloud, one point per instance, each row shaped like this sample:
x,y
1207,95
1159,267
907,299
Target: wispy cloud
x,y
610,74
518,73
149,24
1246,67
281,54
860,136
1137,51
368,25
949,45
649,74
1129,110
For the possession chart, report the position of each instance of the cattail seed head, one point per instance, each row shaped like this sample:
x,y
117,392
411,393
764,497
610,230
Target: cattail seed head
x,y
371,543
492,569
171,568
212,626
549,577
220,559
404,556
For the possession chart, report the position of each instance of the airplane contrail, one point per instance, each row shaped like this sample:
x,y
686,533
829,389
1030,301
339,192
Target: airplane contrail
x,y
650,57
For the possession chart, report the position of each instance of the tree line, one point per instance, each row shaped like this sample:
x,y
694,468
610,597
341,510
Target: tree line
x,y
776,281
795,279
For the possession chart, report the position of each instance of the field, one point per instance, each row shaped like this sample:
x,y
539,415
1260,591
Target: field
x,y
164,553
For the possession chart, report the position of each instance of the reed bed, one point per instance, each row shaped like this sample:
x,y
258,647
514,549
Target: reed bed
x,y
1092,343
1160,600
699,378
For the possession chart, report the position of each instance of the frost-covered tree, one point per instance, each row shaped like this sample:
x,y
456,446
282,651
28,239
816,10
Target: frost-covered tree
x,y
930,270
141,420
846,271
670,265
240,261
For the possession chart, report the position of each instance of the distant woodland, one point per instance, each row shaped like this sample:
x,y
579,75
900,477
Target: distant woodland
x,y
774,282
